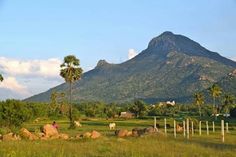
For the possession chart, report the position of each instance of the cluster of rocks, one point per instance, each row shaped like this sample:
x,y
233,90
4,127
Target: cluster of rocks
x,y
48,132
136,132
10,137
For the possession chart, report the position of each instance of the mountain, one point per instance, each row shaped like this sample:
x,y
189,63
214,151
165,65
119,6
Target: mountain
x,y
172,67
228,83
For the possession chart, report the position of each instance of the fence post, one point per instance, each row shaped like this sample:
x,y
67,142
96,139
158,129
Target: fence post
x,y
165,126
213,126
155,124
174,129
184,128
207,127
187,128
222,131
192,129
200,128
227,127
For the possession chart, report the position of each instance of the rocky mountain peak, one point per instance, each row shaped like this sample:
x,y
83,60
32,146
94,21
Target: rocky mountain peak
x,y
165,40
102,63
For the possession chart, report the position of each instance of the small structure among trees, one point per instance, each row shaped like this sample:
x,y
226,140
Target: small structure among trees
x,y
167,103
127,115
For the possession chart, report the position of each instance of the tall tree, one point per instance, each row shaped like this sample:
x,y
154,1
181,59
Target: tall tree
x,y
138,108
1,78
71,72
228,100
199,101
215,91
56,103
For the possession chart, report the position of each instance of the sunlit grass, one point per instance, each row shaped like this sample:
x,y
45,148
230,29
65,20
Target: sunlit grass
x,y
109,145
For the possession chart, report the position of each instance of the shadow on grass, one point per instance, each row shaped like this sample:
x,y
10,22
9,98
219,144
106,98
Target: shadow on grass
x,y
128,124
209,144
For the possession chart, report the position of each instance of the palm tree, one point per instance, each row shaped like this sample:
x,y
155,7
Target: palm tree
x,y
1,78
215,91
199,101
71,72
228,100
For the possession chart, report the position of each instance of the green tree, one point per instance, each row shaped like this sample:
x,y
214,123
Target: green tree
x,y
53,103
228,100
71,72
56,103
215,91
1,78
13,113
111,110
199,101
138,108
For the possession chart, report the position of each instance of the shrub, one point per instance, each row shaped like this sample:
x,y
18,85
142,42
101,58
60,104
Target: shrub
x,y
13,113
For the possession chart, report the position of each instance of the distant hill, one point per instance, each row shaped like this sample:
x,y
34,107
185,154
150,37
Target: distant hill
x,y
228,83
172,67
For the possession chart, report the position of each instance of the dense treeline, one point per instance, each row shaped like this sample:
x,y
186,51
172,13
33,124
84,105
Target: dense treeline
x,y
13,112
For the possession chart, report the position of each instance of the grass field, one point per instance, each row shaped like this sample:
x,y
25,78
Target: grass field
x,y
109,145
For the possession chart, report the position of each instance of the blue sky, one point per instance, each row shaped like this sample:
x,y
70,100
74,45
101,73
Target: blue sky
x,y
47,30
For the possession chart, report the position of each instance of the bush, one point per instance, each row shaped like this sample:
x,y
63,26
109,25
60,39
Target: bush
x,y
13,113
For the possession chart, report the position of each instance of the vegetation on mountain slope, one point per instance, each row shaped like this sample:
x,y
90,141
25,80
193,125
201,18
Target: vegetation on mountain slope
x,y
173,67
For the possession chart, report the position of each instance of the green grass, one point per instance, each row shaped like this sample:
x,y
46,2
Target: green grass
x,y
109,145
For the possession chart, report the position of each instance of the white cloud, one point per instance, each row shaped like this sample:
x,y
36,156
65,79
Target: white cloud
x,y
13,85
234,58
28,77
44,68
131,53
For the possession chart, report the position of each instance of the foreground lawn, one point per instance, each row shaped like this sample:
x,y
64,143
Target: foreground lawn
x,y
109,145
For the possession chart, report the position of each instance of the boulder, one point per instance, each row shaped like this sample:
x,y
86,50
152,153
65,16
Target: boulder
x,y
64,136
149,130
121,133
179,128
10,137
24,133
137,132
50,131
40,134
95,134
129,133
87,135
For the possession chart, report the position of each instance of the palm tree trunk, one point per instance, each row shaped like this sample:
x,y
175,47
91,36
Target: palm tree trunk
x,y
214,108
199,109
70,111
